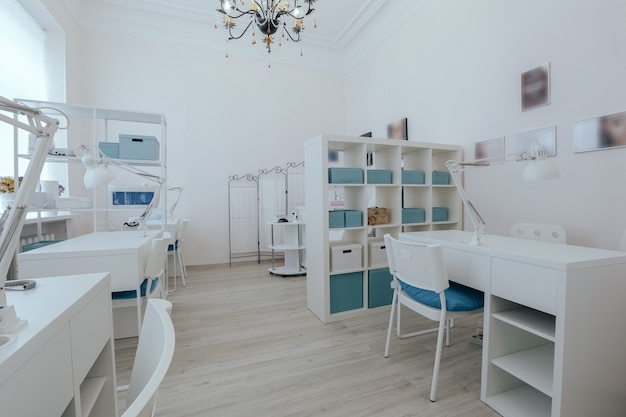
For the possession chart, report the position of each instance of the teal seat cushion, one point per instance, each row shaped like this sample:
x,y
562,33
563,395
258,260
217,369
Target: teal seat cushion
x,y
458,297
123,295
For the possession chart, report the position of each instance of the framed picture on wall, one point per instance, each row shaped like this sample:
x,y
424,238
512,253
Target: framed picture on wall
x,y
490,150
398,129
525,141
600,133
536,87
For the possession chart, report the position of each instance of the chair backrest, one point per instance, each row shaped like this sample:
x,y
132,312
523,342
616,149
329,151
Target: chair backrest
x,y
418,265
539,231
181,229
156,258
152,360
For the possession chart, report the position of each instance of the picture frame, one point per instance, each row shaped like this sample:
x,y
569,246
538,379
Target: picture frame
x,y
535,87
398,129
489,150
600,133
524,141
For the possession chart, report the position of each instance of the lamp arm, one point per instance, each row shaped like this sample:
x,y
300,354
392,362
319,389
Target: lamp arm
x,y
44,127
475,217
170,212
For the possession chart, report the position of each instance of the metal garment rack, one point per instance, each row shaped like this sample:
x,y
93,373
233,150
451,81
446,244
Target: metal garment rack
x,y
254,196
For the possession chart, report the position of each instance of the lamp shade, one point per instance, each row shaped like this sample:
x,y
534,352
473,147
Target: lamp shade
x,y
96,173
540,169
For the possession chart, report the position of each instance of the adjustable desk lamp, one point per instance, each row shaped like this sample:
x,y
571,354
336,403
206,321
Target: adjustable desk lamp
x,y
539,168
12,220
97,174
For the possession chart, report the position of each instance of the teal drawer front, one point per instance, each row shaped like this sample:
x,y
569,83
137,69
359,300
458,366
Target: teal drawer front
x,y
379,176
345,175
353,218
413,177
336,219
440,214
441,178
379,292
413,215
346,292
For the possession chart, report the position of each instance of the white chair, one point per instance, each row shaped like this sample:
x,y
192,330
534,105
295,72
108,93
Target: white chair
x,y
152,285
155,351
420,282
539,231
176,250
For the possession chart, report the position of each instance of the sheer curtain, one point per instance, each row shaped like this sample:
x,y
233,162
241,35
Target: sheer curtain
x,y
22,72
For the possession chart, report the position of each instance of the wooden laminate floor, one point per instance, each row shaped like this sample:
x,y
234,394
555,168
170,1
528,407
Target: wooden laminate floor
x,y
246,345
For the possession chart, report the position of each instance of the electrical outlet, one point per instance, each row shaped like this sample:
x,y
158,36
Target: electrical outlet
x,y
101,226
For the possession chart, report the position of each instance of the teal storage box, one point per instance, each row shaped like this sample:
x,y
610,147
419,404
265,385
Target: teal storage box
x,y
110,149
440,214
441,178
346,292
413,177
379,176
336,219
139,147
379,291
353,218
413,215
345,176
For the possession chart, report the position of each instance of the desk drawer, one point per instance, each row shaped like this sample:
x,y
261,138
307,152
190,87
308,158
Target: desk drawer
x,y
468,268
529,285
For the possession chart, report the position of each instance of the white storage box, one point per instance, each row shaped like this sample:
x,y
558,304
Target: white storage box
x,y
345,256
377,254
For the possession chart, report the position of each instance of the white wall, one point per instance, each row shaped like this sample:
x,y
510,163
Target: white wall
x,y
454,71
225,116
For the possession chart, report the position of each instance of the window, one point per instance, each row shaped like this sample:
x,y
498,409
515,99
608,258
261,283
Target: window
x,y
25,51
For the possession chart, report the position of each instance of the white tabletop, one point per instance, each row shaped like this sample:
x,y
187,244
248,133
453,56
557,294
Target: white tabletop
x,y
548,254
94,244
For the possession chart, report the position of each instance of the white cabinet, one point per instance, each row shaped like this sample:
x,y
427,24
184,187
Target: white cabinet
x,y
62,361
401,181
90,126
287,237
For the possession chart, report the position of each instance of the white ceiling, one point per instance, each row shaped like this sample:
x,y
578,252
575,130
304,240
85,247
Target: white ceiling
x,y
346,29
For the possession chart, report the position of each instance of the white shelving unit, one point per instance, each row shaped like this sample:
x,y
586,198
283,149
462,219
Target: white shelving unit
x,y
88,126
291,246
333,297
520,359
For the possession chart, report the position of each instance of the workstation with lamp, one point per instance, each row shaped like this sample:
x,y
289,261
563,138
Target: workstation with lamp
x,y
251,84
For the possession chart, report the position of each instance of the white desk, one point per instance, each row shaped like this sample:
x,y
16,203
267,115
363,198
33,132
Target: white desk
x,y
553,330
62,361
123,254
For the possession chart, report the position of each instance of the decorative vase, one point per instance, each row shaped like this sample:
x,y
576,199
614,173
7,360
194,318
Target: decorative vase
x,y
6,199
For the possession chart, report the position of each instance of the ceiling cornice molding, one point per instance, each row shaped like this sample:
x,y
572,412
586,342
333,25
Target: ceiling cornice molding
x,y
387,20
169,22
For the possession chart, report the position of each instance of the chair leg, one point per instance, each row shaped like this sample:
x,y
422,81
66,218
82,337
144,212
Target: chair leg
x,y
398,321
181,265
182,261
448,329
394,301
138,311
433,387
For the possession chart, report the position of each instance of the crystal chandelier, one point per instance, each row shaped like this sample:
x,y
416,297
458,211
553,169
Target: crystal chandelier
x,y
267,16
